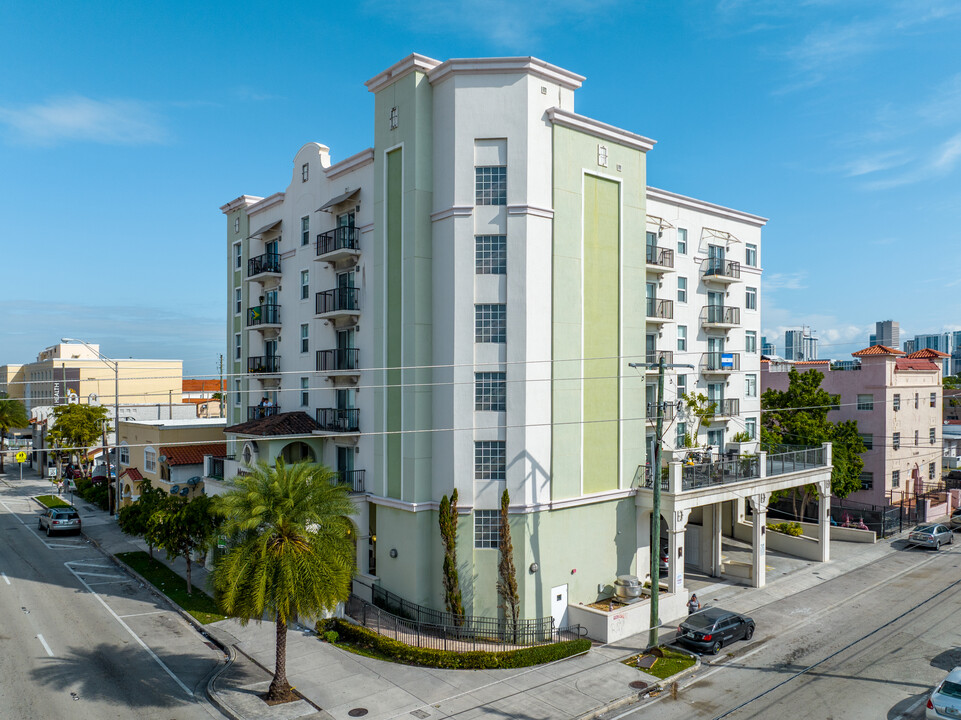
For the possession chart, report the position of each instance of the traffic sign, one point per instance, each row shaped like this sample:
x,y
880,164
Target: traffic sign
x,y
21,457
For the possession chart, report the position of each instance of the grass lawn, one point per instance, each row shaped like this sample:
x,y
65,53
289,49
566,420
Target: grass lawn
x,y
51,501
672,663
198,604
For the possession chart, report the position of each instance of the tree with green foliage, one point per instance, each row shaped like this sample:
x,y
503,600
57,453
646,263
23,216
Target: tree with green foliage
x,y
135,518
507,574
12,415
77,428
799,416
183,527
952,382
703,410
291,550
447,517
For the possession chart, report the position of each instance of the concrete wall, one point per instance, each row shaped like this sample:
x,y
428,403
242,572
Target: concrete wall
x,y
802,547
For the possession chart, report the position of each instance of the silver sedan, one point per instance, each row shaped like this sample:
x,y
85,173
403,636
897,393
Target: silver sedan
x,y
933,536
945,701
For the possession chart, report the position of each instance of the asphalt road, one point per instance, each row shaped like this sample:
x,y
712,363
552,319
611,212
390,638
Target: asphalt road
x,y
80,639
869,644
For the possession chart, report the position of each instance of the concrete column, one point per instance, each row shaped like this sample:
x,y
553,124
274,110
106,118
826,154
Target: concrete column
x,y
716,540
674,478
642,558
824,519
759,549
677,524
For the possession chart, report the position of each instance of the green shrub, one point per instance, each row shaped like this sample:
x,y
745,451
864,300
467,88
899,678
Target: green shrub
x,y
51,501
787,528
331,636
365,639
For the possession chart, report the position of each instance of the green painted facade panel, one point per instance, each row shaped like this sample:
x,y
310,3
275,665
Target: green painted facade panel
x,y
416,572
394,320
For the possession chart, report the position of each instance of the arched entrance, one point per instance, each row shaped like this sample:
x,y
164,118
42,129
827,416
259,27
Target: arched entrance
x,y
297,452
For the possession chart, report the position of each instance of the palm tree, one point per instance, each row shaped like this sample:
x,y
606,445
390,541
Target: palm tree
x,y
12,415
292,551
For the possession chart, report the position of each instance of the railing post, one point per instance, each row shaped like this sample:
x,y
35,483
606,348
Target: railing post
x,y
828,453
674,477
762,464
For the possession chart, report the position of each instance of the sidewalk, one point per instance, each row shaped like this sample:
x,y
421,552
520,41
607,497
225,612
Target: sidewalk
x,y
343,684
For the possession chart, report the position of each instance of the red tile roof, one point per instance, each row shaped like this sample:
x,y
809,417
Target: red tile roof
x,y
192,454
204,385
928,354
913,364
289,423
811,362
133,473
877,350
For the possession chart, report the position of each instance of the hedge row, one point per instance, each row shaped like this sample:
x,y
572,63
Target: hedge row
x,y
788,528
361,637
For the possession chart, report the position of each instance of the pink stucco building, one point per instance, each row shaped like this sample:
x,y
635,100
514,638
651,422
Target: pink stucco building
x,y
896,401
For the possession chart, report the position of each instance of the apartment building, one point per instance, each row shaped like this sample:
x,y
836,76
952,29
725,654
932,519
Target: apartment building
x,y
800,345
456,307
896,401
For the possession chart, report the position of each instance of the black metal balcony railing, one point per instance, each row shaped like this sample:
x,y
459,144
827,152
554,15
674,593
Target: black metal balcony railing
x,y
259,412
726,408
263,364
263,315
341,238
352,479
217,467
655,357
338,300
339,419
660,309
721,362
667,410
266,263
663,257
341,359
715,267
721,315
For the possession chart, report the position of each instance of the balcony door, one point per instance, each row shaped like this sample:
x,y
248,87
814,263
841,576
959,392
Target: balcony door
x,y
271,248
345,399
715,394
715,259
270,297
651,294
346,219
345,279
715,346
650,347
651,245
270,349
345,460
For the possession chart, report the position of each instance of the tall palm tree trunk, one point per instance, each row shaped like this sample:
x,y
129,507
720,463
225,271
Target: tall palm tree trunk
x,y
279,687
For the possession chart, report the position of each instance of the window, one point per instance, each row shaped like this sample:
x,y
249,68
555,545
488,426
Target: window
x,y
682,289
602,155
490,460
916,435
237,224
865,402
490,323
487,529
868,440
681,338
490,254
932,471
681,433
490,391
897,402
305,230
238,301
715,437
238,255
932,436
305,284
236,392
750,385
750,427
867,481
124,454
304,337
394,118
304,172
750,255
237,348
916,400
750,341
681,241
490,185
934,400
750,298
896,478
681,385
149,460
896,441
304,392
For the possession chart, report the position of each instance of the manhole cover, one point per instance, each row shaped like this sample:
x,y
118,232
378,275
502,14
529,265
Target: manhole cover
x,y
357,712
639,685
420,714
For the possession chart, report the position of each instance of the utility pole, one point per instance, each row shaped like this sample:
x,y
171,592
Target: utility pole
x,y
656,499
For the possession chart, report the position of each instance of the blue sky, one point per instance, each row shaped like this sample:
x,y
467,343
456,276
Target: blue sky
x,y
123,128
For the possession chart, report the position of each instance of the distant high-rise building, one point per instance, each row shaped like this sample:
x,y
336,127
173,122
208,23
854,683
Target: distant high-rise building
x,y
800,345
872,340
908,346
767,348
887,333
937,341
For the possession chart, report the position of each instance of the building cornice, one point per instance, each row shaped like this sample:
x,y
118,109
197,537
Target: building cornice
x,y
267,203
531,210
453,211
354,162
244,201
598,129
411,63
504,65
702,206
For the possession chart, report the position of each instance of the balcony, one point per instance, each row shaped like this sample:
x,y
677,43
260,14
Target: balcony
x,y
660,259
341,362
720,316
339,420
338,244
659,311
263,316
720,271
263,364
655,357
720,363
353,480
652,413
339,303
258,413
263,266
725,409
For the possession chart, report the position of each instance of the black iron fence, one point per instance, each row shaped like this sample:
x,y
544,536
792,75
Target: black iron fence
x,y
341,238
266,263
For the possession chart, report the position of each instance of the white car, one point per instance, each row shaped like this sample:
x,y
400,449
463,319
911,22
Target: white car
x,y
945,701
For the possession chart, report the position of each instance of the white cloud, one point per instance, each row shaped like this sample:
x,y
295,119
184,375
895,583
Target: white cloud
x,y
77,118
784,281
939,162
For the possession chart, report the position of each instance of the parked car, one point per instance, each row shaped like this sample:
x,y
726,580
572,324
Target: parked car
x,y
931,536
956,518
60,519
945,701
711,629
663,558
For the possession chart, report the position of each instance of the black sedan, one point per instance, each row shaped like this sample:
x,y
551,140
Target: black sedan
x,y
712,628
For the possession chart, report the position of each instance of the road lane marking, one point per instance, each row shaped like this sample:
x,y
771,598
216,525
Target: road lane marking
x,y
5,578
914,706
126,627
81,563
45,646
92,574
155,612
107,582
